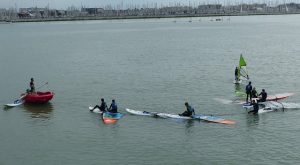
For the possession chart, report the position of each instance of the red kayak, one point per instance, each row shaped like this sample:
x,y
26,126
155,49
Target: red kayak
x,y
38,97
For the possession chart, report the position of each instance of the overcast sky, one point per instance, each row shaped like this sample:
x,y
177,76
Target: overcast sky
x,y
63,4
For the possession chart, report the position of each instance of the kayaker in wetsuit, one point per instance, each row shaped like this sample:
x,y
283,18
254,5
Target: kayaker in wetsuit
x,y
263,95
113,107
255,106
236,74
102,106
31,85
254,93
189,110
248,91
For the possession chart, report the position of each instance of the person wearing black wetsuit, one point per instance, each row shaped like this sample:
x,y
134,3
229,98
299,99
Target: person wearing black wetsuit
x,y
113,107
263,95
236,73
255,107
31,85
102,106
248,91
189,110
253,93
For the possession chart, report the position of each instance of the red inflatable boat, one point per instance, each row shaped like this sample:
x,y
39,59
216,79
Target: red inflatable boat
x,y
38,97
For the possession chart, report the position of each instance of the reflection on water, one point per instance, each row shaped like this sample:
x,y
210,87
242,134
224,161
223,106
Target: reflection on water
x,y
189,123
239,90
252,119
189,126
39,110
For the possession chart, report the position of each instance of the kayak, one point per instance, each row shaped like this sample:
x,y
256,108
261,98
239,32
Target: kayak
x,y
38,97
207,118
96,110
111,118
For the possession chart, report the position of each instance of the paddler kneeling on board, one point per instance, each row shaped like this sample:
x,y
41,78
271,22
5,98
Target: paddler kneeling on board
x,y
113,107
189,110
102,106
255,106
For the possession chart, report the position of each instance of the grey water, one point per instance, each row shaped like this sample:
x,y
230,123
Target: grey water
x,y
148,65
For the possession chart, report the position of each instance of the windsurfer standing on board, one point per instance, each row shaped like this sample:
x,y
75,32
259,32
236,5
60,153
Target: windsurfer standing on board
x,y
248,91
31,85
189,110
236,73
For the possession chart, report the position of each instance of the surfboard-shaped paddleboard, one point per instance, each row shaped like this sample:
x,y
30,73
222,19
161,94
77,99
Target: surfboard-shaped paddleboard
x,y
214,119
96,110
16,103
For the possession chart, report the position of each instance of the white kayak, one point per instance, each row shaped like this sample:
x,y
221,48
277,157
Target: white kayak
x,y
96,110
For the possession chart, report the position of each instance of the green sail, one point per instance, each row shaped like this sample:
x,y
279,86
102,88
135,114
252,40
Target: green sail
x,y
242,68
242,61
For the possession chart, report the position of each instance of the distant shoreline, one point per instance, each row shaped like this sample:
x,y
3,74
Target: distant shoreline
x,y
87,18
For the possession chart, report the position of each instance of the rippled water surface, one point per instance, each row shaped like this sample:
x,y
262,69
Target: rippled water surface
x,y
152,65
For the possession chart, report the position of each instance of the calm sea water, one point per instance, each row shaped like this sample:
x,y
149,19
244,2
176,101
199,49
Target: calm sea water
x,y
152,65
